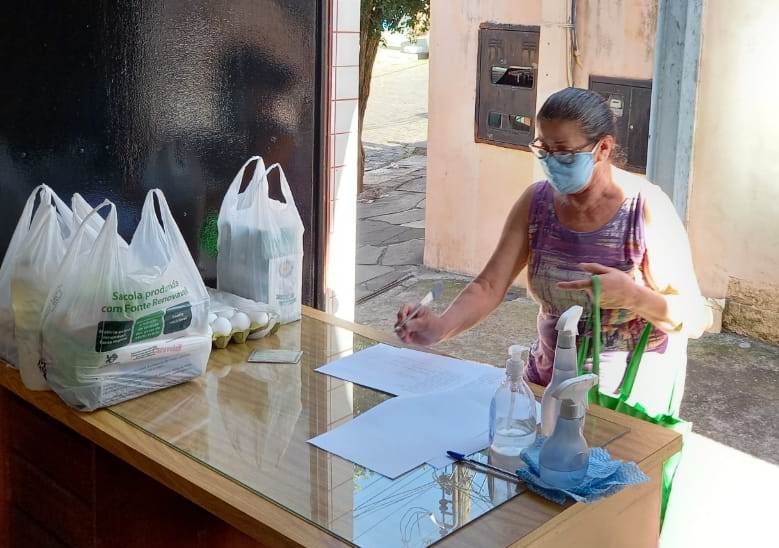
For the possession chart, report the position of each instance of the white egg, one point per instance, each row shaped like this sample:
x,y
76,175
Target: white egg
x,y
211,318
260,317
226,313
240,321
222,327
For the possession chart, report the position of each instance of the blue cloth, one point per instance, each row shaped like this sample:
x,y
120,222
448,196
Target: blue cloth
x,y
605,476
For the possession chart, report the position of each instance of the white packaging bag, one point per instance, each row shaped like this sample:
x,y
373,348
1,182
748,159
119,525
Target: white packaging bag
x,y
261,243
122,322
44,194
37,262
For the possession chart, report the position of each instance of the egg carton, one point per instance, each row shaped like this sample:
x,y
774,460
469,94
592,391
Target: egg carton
x,y
236,319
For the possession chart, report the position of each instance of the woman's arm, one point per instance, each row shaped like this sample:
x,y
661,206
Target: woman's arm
x,y
485,292
669,270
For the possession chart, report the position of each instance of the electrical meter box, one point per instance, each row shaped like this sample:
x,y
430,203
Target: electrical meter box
x,y
630,101
507,84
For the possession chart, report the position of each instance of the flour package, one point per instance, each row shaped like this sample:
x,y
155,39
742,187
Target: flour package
x,y
52,224
261,243
122,321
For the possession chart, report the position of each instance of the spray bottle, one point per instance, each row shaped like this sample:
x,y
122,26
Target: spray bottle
x,y
565,455
564,367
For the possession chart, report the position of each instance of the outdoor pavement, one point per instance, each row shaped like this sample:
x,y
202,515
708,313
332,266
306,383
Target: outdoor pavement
x,y
729,474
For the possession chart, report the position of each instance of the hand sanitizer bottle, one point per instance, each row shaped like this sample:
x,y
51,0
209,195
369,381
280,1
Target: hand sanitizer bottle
x,y
564,367
564,457
513,418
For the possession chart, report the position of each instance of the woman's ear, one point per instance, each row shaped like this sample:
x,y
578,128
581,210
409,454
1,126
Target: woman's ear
x,y
605,148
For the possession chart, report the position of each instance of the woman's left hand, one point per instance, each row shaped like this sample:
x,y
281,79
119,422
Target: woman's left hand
x,y
618,290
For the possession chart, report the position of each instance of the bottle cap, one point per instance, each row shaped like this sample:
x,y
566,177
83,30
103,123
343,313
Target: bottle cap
x,y
518,356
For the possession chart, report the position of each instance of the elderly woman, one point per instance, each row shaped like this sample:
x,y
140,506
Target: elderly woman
x,y
589,217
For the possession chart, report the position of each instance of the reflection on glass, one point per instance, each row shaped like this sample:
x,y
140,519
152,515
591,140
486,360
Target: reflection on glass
x,y
518,77
494,119
500,489
521,122
252,422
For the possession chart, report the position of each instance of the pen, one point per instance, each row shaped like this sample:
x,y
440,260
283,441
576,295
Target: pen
x,y
459,457
431,296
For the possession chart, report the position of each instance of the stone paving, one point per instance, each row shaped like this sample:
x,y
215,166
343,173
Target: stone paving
x,y
391,224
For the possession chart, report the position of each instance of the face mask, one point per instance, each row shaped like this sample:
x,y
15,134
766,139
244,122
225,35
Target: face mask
x,y
569,178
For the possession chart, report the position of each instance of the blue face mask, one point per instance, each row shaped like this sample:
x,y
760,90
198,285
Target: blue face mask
x,y
569,178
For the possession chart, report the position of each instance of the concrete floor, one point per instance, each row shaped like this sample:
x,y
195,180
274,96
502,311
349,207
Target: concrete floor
x,y
729,474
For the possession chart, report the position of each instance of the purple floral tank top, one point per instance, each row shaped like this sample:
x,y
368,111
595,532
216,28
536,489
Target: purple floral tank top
x,y
556,251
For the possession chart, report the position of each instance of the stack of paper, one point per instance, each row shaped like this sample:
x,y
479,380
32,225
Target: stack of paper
x,y
443,405
406,372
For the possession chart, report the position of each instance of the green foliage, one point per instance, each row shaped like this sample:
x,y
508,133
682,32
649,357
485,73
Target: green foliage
x,y
409,16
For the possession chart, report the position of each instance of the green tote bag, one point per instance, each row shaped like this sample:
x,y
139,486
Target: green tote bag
x,y
619,403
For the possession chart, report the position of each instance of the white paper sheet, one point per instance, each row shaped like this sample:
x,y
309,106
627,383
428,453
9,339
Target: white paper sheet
x,y
443,405
470,447
406,372
402,433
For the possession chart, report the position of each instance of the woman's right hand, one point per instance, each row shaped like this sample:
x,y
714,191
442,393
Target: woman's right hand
x,y
425,329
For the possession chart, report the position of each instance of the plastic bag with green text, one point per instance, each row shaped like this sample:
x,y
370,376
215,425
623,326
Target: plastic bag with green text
x,y
122,321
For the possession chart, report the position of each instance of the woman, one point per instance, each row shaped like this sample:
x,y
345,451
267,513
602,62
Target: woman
x,y
589,218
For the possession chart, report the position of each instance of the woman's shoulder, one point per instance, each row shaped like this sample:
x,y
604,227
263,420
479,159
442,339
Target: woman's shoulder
x,y
635,184
656,204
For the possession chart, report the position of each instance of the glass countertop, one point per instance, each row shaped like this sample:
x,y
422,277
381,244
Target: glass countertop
x,y
251,422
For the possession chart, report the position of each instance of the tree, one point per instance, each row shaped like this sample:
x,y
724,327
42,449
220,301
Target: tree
x,y
376,16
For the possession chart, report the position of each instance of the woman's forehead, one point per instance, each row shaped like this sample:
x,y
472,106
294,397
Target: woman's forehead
x,y
559,132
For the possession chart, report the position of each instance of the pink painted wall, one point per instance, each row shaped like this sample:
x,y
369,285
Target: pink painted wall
x,y
471,187
735,179
616,38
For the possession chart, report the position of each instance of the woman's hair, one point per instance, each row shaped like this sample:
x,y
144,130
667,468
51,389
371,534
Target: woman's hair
x,y
587,108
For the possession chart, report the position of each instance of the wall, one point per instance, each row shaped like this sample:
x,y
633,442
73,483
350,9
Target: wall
x,y
734,188
616,38
342,163
471,187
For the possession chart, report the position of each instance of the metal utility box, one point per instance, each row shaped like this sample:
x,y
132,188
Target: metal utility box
x,y
507,84
630,101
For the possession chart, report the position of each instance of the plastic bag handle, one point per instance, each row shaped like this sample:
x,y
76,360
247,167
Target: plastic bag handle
x,y
108,229
169,227
41,190
286,191
235,187
173,237
63,212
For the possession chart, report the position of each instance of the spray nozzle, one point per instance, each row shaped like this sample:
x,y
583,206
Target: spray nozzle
x,y
568,327
573,395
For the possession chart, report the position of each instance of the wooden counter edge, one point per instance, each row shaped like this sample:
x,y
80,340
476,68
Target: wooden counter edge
x,y
253,515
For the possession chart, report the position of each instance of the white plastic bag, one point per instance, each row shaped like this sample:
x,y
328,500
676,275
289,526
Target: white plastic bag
x,y
261,243
122,322
37,262
44,194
